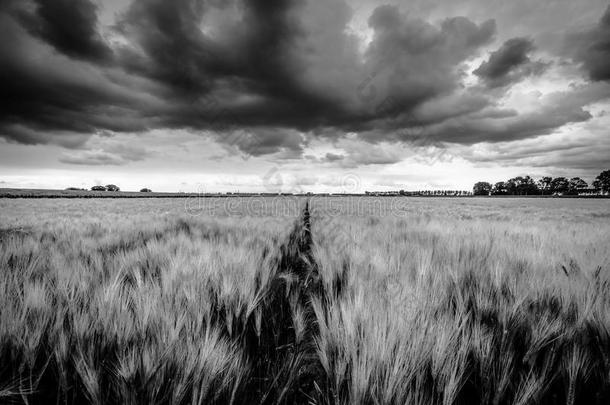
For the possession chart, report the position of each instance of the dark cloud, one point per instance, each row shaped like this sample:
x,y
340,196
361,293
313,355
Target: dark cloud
x,y
271,69
494,125
47,96
510,63
418,60
512,54
332,157
592,48
244,75
92,158
262,76
70,26
265,141
106,149
25,135
556,110
581,154
357,153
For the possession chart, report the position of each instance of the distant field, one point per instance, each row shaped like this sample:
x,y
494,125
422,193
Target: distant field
x,y
44,193
336,300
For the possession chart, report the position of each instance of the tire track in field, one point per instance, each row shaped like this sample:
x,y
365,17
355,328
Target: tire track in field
x,y
282,348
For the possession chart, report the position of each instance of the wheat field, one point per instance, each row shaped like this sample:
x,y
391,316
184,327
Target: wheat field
x,y
305,301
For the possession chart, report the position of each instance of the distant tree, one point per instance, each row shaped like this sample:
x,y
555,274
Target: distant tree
x,y
499,188
511,185
544,184
98,188
112,187
529,186
146,190
560,185
576,184
481,188
602,182
521,186
75,189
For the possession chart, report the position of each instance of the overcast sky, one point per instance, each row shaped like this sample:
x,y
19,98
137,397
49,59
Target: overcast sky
x,y
289,95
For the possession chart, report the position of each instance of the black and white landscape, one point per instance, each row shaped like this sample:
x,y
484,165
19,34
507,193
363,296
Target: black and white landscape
x,y
321,202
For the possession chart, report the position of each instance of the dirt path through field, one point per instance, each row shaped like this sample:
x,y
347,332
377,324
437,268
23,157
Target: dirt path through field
x,y
286,367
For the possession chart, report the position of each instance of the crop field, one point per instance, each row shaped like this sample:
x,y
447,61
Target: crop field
x,y
353,300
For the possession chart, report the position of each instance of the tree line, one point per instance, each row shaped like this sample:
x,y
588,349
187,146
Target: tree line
x,y
545,186
108,187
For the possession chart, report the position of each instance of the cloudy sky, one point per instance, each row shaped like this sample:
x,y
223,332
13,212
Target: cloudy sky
x,y
332,95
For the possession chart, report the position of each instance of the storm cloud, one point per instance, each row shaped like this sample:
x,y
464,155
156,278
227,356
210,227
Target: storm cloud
x,y
510,63
269,76
70,26
592,48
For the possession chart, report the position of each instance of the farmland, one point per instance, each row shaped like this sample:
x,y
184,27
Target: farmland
x,y
308,301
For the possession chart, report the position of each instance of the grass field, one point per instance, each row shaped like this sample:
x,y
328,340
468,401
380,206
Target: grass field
x,y
320,301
